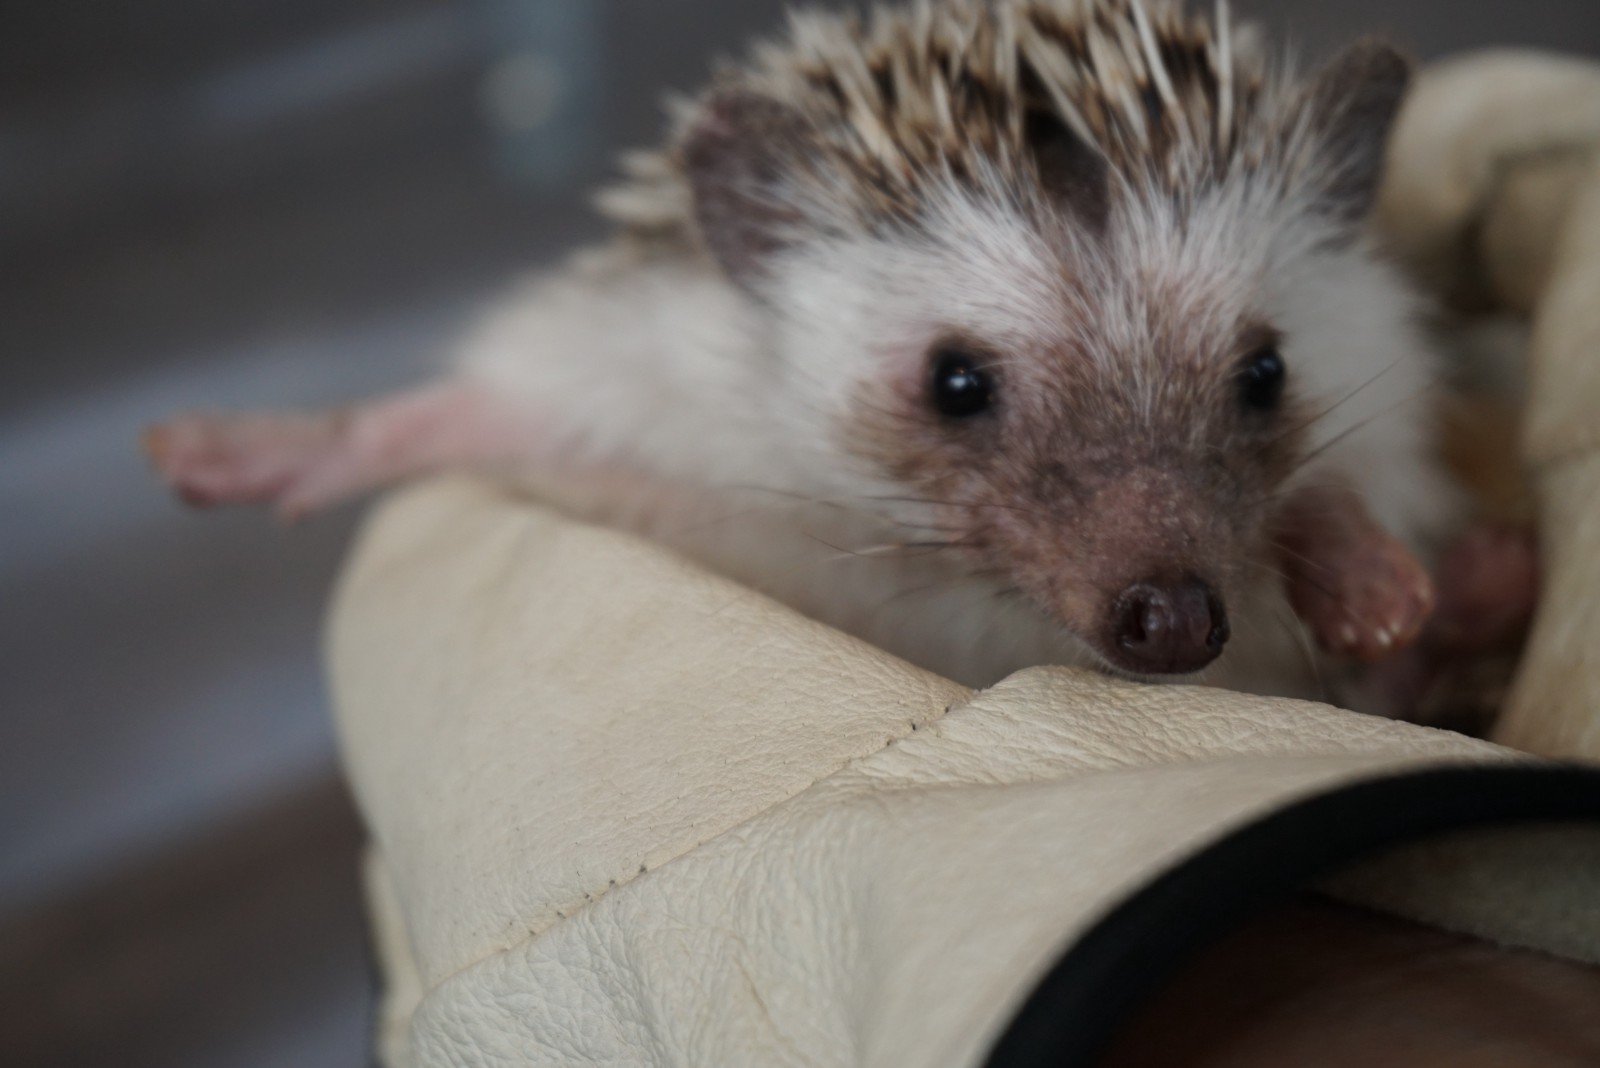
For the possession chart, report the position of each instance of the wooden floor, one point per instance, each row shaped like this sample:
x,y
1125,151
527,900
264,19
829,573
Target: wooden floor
x,y
244,947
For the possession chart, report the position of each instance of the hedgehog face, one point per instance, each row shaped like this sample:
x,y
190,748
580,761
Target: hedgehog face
x,y
1105,424
1100,369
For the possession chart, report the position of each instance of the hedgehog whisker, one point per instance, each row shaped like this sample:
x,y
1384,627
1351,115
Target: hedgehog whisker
x,y
1284,492
840,504
1314,584
967,506
895,549
912,591
1297,635
1336,405
1278,546
1345,434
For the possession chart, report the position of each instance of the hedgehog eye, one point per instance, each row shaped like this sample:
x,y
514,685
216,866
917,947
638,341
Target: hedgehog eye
x,y
961,387
1261,379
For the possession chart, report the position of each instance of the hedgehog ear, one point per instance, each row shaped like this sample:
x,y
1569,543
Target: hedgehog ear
x,y
1352,107
1073,172
737,156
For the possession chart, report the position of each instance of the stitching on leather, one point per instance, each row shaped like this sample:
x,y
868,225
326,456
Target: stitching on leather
x,y
591,898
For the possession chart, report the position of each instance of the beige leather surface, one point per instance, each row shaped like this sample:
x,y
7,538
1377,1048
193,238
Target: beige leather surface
x,y
1555,706
626,812
564,706
1469,123
1494,190
629,813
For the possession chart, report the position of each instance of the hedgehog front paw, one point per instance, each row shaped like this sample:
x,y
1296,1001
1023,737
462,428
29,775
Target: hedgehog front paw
x,y
1362,593
1368,602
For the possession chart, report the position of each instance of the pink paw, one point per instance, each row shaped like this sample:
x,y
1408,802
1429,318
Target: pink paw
x,y
1369,601
247,459
1360,590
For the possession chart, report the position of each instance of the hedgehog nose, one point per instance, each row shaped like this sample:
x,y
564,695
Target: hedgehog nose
x,y
1168,628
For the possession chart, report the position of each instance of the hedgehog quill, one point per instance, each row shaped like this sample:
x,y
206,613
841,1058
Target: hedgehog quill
x,y
997,333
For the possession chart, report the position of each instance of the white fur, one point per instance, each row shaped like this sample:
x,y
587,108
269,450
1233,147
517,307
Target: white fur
x,y
719,410
721,417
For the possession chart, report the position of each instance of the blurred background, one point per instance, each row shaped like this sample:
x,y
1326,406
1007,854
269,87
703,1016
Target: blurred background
x,y
243,203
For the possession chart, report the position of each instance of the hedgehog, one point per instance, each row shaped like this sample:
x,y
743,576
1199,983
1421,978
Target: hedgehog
x,y
996,332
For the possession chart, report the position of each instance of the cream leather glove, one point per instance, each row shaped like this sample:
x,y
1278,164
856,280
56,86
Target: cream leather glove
x,y
1494,193
626,812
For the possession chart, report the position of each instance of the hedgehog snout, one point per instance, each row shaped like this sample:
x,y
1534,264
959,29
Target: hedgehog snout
x,y
1158,627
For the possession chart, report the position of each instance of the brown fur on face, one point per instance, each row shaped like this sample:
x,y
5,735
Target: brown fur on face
x,y
1094,470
